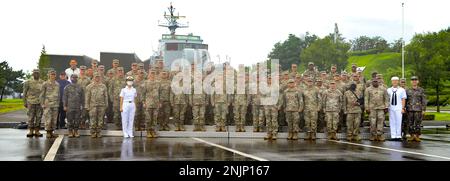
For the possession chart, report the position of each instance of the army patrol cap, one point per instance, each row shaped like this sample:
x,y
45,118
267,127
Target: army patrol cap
x,y
115,61
375,80
101,66
74,76
414,78
82,67
52,72
96,74
134,64
323,72
291,81
332,82
94,61
319,80
119,68
310,63
298,75
141,64
309,80
35,70
336,75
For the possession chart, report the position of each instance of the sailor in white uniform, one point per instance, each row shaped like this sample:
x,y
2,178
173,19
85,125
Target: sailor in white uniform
x,y
397,98
128,107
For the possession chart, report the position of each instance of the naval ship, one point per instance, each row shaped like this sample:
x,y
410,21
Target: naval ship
x,y
176,46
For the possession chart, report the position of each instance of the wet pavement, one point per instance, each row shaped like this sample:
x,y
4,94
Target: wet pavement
x,y
15,146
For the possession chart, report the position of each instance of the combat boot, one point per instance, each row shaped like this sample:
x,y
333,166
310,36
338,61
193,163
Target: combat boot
x,y
70,133
76,134
202,127
242,128
289,137
294,136
381,138
329,137
223,129
268,136
417,138
372,137
307,136
274,136
154,134
182,128
177,127
356,138
149,134
49,134
99,132
37,133
411,137
313,136
93,135
196,128
30,133
349,137
255,129
217,128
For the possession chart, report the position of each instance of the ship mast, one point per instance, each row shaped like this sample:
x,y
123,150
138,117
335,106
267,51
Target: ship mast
x,y
172,20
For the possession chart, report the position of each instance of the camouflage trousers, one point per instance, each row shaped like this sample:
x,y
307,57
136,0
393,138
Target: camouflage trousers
x,y
85,118
198,114
117,117
73,119
139,117
405,124
179,111
164,113
293,119
109,113
376,118
151,118
321,121
50,116
271,114
97,115
258,115
332,119
310,121
34,115
353,121
414,122
220,113
239,114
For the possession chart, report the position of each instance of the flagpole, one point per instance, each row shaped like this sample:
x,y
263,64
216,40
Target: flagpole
x,y
403,41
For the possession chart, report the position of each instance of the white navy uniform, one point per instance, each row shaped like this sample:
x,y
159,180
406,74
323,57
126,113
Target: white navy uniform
x,y
395,110
129,109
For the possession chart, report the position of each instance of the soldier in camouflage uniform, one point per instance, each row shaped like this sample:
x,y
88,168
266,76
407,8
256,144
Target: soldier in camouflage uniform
x,y
257,108
134,72
198,102
332,105
164,97
73,102
353,110
376,103
139,118
369,82
151,97
116,85
31,91
96,102
333,71
115,66
49,100
381,81
293,103
179,102
416,104
324,78
271,111
141,68
321,124
241,102
83,81
293,71
311,72
109,110
94,67
360,87
312,104
220,102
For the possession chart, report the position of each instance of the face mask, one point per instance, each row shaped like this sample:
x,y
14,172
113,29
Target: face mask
x,y
129,83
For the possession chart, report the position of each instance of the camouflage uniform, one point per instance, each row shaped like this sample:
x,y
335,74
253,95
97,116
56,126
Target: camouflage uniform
x,y
353,111
321,123
96,103
198,103
151,96
50,102
241,102
415,105
139,117
164,110
31,92
116,85
312,101
257,111
332,105
220,103
84,81
376,100
311,73
179,104
293,103
73,100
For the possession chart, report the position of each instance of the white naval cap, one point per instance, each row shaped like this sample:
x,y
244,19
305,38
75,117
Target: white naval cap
x,y
395,78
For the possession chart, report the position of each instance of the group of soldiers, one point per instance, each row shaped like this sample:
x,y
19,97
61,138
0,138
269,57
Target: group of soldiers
x,y
311,99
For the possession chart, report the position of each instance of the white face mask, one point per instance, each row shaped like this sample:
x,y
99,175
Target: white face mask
x,y
129,83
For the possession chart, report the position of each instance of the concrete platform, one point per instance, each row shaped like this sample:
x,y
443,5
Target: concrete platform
x,y
15,146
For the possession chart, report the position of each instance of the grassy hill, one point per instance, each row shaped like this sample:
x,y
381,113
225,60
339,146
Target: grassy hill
x,y
376,62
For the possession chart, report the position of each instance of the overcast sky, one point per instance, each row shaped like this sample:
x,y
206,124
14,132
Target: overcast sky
x,y
243,30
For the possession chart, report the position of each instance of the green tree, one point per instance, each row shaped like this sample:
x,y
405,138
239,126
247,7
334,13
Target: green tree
x,y
429,55
324,52
10,80
44,63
